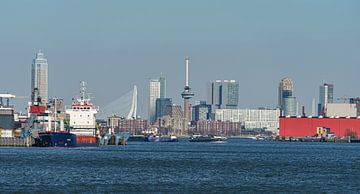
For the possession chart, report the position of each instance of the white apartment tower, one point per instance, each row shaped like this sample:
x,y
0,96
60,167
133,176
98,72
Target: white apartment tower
x,y
39,78
154,93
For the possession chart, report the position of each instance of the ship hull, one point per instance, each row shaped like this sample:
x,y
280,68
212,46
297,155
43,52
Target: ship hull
x,y
137,138
168,139
55,139
87,141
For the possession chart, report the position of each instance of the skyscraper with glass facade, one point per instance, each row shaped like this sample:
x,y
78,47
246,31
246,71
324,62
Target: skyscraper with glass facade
x,y
157,89
223,94
286,99
39,78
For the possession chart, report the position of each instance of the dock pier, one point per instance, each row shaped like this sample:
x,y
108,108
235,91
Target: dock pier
x,y
16,141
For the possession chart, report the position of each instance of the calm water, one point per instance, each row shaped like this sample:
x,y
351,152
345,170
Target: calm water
x,y
234,166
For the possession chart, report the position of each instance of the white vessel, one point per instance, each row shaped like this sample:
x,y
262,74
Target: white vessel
x,y
82,118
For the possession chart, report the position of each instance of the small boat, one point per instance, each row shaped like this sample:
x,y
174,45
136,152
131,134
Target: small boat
x,y
153,138
206,138
137,138
168,138
219,138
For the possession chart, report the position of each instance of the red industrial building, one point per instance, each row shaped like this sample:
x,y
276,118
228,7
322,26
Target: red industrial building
x,y
306,126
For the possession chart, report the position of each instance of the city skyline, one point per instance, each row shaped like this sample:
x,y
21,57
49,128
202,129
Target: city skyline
x,y
258,50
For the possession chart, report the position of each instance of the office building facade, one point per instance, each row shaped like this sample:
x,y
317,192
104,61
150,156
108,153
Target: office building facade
x,y
201,111
223,94
163,106
251,118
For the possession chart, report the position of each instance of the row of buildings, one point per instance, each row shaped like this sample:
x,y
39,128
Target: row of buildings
x,y
218,115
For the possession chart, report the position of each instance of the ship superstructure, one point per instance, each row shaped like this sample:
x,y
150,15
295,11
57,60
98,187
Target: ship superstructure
x,y
82,118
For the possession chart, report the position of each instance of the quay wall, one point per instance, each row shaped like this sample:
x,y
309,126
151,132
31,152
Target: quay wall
x,y
16,141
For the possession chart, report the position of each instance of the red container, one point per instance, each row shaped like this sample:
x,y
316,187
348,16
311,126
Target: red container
x,y
37,109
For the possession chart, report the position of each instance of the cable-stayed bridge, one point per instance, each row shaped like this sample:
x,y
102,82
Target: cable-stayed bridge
x,y
124,106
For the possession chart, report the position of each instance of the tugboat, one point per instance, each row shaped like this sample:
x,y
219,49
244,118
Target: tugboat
x,y
82,119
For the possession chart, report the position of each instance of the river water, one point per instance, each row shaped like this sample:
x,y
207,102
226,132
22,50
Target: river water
x,y
184,167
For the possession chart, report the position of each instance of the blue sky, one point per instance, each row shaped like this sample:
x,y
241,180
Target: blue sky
x,y
116,44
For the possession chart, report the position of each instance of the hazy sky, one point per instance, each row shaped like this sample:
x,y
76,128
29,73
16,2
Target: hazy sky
x,y
115,44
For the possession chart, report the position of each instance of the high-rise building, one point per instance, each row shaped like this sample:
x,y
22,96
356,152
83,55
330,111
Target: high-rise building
x,y
157,89
201,111
290,106
326,95
357,102
286,98
154,93
223,94
163,106
162,81
39,78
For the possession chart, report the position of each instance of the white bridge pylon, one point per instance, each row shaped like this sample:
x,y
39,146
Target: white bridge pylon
x,y
124,106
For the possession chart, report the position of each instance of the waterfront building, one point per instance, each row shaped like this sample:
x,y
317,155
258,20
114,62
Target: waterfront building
x,y
201,111
157,89
357,102
162,106
286,97
223,128
261,118
326,95
8,116
223,94
172,123
340,110
116,124
39,78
